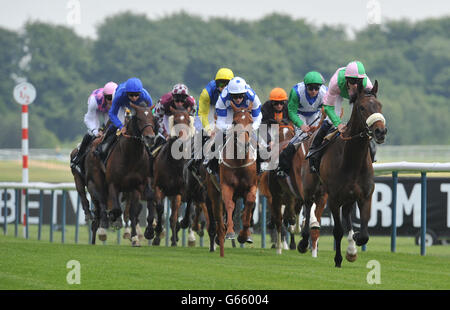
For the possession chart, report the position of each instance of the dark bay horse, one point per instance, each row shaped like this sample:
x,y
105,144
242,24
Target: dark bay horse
x,y
237,179
195,197
94,180
168,169
270,188
128,168
346,172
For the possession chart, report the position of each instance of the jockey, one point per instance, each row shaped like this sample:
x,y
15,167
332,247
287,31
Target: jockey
x,y
99,103
178,98
305,101
275,109
241,94
206,109
129,91
208,98
343,84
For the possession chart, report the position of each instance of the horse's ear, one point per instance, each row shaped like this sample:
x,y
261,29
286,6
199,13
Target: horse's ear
x,y
375,88
189,109
172,109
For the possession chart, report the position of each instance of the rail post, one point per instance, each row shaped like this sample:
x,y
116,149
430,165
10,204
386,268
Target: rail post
x,y
394,211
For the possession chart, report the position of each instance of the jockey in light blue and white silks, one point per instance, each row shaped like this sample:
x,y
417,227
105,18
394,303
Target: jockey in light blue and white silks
x,y
225,112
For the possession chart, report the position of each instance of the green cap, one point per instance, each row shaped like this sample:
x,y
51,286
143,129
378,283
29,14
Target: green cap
x,y
313,77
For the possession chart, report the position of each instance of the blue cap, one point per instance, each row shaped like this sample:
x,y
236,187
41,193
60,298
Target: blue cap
x,y
133,85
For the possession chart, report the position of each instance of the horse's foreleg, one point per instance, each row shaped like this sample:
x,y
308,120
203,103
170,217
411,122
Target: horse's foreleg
x,y
174,225
187,215
135,209
250,200
149,233
351,253
337,232
362,237
302,246
79,184
114,207
277,220
227,198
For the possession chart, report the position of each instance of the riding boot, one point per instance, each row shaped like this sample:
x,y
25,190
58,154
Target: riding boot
x,y
313,154
285,160
372,150
102,148
84,144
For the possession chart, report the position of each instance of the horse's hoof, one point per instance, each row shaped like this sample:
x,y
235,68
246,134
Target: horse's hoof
x,y
127,235
156,242
303,246
241,239
351,257
249,240
184,224
191,243
230,236
149,233
135,241
101,232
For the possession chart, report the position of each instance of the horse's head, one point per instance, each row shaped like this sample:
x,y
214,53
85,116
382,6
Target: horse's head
x,y
367,109
242,125
142,123
181,118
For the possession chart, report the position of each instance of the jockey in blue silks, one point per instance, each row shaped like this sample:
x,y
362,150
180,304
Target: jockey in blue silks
x,y
129,91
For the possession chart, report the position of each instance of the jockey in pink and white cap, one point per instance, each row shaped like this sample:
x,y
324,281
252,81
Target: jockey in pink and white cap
x,y
99,103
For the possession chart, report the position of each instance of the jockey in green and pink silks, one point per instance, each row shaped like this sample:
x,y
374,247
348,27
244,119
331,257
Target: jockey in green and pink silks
x,y
343,84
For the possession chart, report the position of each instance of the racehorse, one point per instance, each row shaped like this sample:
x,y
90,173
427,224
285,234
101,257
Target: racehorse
x,y
168,178
266,188
346,173
127,167
237,179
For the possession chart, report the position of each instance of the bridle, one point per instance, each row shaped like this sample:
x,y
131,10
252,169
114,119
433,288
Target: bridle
x,y
139,137
246,146
366,132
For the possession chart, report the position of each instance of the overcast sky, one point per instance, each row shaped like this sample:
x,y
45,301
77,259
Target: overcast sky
x,y
84,15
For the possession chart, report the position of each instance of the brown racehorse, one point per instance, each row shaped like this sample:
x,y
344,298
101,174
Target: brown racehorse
x,y
94,180
168,177
128,168
195,195
237,179
346,173
268,187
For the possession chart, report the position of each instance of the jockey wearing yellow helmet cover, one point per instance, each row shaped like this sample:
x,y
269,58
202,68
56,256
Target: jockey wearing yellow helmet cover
x,y
208,98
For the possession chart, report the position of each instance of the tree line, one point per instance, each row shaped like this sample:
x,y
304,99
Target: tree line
x,y
411,62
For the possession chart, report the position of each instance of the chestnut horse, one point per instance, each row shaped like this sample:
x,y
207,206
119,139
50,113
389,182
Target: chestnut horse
x,y
237,178
168,167
128,168
346,173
